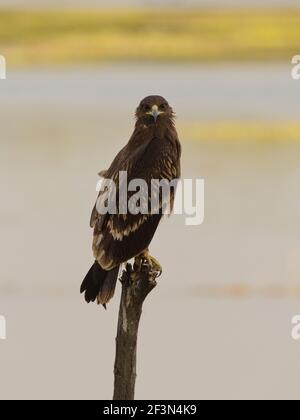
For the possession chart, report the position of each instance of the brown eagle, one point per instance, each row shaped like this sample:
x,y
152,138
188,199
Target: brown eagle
x,y
153,152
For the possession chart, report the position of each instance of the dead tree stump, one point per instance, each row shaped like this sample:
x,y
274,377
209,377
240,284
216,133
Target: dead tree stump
x,y
136,285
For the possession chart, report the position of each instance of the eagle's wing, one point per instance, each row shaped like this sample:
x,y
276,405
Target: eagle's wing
x,y
120,237
125,159
95,215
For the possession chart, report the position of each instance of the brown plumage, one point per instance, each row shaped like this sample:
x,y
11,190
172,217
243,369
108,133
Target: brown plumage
x,y
153,152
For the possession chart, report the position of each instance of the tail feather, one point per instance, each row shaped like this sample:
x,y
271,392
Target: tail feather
x,y
108,286
90,285
100,284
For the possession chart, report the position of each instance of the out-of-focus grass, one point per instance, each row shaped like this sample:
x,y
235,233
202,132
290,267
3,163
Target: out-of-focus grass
x,y
48,37
264,131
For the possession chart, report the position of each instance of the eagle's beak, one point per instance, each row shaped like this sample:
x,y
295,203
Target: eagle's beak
x,y
154,112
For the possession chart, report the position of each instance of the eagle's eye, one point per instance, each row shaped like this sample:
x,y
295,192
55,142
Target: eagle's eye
x,y
163,107
146,108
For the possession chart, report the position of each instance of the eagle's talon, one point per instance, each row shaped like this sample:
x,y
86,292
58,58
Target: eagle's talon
x,y
146,263
145,267
137,265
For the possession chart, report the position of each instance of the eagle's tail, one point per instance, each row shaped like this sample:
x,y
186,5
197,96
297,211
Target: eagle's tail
x,y
100,284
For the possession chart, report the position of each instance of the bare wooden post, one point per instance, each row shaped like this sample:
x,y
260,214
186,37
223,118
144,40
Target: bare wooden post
x,y
135,288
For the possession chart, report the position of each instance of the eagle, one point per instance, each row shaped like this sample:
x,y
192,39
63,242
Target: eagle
x,y
152,152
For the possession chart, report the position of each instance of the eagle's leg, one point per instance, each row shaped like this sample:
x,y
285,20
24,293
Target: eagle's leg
x,y
146,261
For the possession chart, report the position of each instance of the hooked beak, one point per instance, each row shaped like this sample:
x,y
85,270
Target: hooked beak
x,y
154,112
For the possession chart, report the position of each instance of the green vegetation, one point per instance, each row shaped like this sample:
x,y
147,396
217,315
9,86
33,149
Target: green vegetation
x,y
53,38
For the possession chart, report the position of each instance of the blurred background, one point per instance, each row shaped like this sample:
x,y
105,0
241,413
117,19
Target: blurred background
x,y
219,323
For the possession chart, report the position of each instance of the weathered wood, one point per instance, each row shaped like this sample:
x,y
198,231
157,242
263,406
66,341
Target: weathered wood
x,y
136,285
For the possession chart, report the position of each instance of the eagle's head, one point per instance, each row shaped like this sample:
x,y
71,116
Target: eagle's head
x,y
154,109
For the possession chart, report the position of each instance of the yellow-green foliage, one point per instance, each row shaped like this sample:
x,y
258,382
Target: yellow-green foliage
x,y
49,37
237,131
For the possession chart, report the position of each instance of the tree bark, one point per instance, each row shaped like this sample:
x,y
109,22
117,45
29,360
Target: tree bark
x,y
135,288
